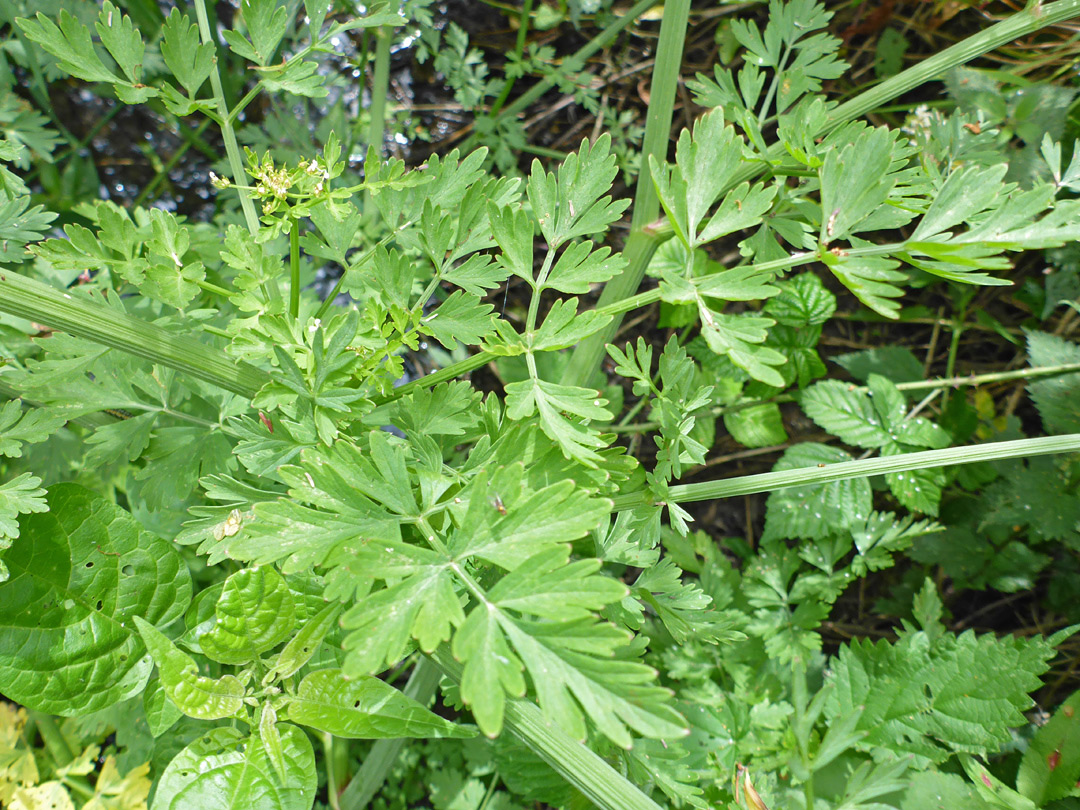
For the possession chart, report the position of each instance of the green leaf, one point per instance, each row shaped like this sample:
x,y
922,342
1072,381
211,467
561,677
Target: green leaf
x,y
422,605
577,441
847,413
189,61
1057,398
567,653
563,327
739,338
757,426
933,693
855,182
364,708
266,24
195,695
802,301
71,44
80,573
304,644
30,426
121,39
579,267
897,363
224,769
815,512
1051,765
161,713
461,317
574,204
872,279
22,495
254,613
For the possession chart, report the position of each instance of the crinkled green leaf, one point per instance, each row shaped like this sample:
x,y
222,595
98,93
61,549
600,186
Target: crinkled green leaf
x,y
79,575
226,770
195,695
254,614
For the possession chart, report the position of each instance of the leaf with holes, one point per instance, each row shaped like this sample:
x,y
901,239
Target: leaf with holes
x,y
364,708
79,574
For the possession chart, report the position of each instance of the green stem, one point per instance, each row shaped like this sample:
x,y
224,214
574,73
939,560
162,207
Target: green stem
x,y
228,135
421,687
579,766
917,385
333,778
642,243
380,86
810,476
519,50
800,699
30,299
294,269
210,287
57,745
957,329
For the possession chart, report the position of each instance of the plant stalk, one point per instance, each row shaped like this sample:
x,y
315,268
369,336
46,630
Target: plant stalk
x,y
578,765
811,476
294,269
228,135
30,299
369,779
642,243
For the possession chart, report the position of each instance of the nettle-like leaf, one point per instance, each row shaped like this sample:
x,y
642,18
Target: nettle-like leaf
x,y
1057,398
933,693
877,419
224,769
1050,767
194,694
80,574
364,708
815,512
254,614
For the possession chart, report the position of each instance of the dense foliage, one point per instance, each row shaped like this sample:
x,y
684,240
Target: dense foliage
x,y
230,524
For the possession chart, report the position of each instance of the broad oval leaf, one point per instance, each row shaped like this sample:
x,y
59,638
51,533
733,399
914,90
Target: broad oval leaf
x,y
254,613
225,770
194,694
79,573
364,708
